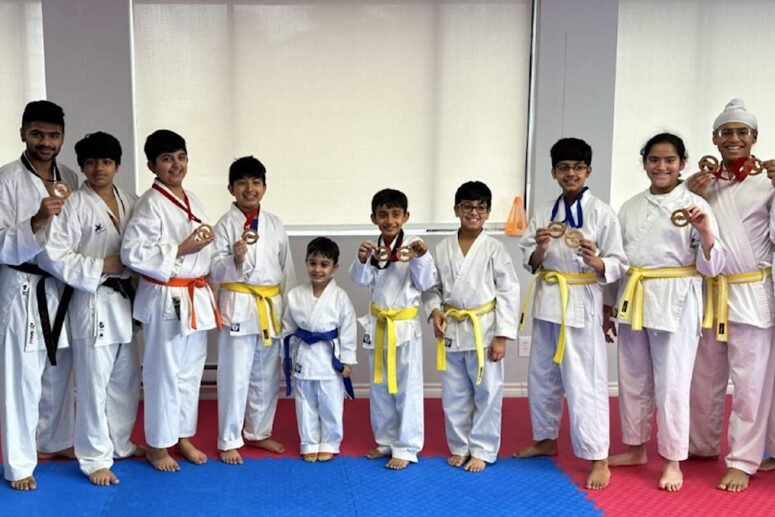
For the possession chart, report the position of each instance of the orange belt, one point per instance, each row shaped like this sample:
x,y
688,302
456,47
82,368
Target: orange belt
x,y
191,284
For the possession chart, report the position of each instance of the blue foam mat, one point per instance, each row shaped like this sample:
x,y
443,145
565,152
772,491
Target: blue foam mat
x,y
290,487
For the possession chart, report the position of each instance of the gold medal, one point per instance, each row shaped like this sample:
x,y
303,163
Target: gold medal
x,y
250,236
709,164
60,189
204,231
754,166
680,217
381,253
556,229
405,254
573,238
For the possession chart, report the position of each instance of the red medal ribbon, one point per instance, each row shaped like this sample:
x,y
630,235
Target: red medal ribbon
x,y
175,201
252,216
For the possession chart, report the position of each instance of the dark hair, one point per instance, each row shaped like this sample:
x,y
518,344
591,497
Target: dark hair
x,y
574,149
473,191
665,138
389,198
324,247
43,111
98,145
246,167
163,141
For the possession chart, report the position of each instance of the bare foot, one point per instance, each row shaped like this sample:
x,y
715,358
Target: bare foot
x,y
24,484
188,450
325,456
734,480
232,457
635,455
599,475
311,457
68,453
161,460
540,448
139,451
396,464
268,444
456,460
672,478
475,465
375,453
767,465
103,477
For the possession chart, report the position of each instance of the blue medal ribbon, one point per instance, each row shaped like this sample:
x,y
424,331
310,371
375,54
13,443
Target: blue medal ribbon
x,y
578,222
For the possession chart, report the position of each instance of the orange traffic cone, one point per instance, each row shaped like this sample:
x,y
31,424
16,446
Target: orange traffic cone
x,y
516,224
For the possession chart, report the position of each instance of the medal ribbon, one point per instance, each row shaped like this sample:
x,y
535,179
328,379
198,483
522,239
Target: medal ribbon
x,y
393,252
175,201
578,222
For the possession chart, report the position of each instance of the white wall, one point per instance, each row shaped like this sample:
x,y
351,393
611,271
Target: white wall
x,y
88,71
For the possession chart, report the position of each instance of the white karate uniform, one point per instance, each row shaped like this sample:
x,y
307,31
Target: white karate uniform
x,y
248,372
743,210
105,361
318,387
583,373
472,413
33,393
397,419
175,352
657,361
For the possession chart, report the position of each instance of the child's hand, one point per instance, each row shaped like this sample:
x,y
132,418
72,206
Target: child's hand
x,y
588,253
698,183
497,348
699,219
346,370
194,244
240,249
769,167
609,326
364,251
112,265
543,239
419,248
439,322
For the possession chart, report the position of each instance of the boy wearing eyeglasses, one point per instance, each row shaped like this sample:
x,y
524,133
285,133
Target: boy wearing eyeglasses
x,y
568,352
397,269
473,307
740,344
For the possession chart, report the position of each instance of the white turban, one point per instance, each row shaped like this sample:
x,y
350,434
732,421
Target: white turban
x,y
735,112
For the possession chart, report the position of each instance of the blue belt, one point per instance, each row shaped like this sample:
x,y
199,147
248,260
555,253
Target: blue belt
x,y
311,338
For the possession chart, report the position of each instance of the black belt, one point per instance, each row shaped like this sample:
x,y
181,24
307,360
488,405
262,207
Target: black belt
x,y
50,334
123,286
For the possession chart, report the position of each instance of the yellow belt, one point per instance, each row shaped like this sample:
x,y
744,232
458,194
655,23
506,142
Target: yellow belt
x,y
563,280
263,295
632,299
473,315
386,319
722,298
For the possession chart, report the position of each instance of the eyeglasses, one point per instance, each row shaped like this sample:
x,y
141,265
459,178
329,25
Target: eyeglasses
x,y
564,168
467,208
741,132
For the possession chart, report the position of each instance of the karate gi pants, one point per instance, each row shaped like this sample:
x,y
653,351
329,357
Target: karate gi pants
x,y
397,420
582,376
656,366
319,410
172,374
57,404
107,394
472,414
748,359
248,388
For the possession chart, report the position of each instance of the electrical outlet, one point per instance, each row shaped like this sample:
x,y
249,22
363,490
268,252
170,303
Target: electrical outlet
x,y
523,343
